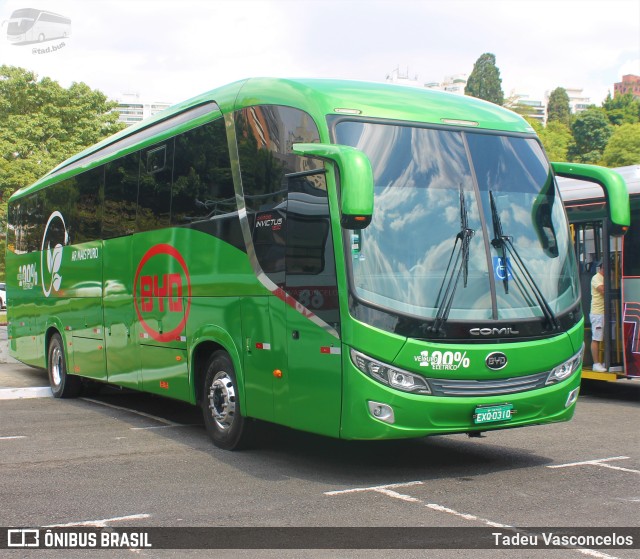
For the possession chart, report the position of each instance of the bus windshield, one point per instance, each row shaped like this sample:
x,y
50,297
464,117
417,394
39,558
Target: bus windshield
x,y
466,225
22,21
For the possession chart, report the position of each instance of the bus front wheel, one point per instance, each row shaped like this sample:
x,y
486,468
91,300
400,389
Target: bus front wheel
x,y
62,384
221,404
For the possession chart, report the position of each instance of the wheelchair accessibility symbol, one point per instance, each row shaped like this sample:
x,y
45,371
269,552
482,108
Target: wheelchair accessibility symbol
x,y
501,269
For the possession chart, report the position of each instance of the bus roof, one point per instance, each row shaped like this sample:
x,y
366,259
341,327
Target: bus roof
x,y
574,190
322,97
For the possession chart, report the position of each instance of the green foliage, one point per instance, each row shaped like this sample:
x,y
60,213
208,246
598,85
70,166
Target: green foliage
x,y
556,138
558,108
3,246
535,124
623,147
622,109
591,132
42,124
484,81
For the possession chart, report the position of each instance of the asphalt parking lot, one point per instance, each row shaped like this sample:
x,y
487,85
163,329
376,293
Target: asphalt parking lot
x,y
120,459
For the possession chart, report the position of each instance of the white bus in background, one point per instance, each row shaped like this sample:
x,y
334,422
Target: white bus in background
x,y
29,25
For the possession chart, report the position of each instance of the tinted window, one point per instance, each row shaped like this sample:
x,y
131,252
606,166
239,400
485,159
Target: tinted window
x,y
202,183
33,222
120,196
632,246
287,206
86,210
154,188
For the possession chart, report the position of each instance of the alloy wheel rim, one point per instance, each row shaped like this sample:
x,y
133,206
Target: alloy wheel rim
x,y
222,400
56,366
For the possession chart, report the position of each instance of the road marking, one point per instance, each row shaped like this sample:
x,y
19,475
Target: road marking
x,y
24,393
601,463
12,437
467,516
100,523
143,414
385,490
164,426
377,488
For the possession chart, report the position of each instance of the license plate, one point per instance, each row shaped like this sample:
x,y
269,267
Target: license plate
x,y
490,414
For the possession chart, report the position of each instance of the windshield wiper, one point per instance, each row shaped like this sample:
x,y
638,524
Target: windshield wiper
x,y
504,244
444,300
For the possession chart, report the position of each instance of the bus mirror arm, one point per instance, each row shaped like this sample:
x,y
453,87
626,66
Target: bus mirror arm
x,y
613,185
356,180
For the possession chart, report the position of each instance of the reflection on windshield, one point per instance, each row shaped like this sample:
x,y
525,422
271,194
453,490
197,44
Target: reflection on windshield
x,y
402,261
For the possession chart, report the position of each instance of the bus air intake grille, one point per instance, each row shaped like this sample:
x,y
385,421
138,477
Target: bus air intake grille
x,y
449,387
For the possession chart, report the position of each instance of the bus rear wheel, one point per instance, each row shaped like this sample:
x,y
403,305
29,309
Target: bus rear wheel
x,y
223,417
62,384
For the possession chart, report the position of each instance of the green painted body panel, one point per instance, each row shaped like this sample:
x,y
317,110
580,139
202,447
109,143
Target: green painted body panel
x,y
137,310
614,186
417,416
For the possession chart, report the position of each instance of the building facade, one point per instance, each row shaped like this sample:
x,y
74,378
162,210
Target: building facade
x,y
629,84
132,109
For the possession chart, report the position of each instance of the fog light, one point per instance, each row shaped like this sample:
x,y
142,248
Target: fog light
x,y
573,396
383,412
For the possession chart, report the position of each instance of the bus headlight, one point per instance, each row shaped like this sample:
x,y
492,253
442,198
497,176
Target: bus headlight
x,y
390,375
566,369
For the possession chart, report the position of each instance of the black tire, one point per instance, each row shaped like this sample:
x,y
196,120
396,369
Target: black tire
x,y
223,418
62,384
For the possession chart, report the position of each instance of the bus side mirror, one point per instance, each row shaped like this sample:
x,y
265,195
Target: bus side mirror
x,y
356,180
615,190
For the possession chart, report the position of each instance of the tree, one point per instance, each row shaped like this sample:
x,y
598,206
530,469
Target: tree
x,y
591,132
484,81
623,147
534,123
558,108
622,109
42,124
556,138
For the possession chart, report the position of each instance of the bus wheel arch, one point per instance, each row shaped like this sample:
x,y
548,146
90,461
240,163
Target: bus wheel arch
x,y
63,385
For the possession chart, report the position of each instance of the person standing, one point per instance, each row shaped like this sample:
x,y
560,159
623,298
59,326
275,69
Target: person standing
x,y
596,316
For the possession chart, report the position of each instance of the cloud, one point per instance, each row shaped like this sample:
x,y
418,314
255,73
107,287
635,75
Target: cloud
x,y
171,51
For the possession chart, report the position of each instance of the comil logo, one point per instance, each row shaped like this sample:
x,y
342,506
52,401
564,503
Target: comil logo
x,y
162,293
54,240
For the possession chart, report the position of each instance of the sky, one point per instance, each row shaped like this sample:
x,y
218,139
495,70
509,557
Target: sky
x,y
172,50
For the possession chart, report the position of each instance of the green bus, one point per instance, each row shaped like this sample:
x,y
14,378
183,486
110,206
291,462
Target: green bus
x,y
362,261
598,242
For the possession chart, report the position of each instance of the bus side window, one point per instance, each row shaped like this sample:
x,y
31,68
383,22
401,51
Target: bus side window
x,y
120,196
60,197
34,221
154,188
632,245
287,206
86,210
202,182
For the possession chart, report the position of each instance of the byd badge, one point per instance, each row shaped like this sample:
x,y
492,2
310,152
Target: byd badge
x,y
496,361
